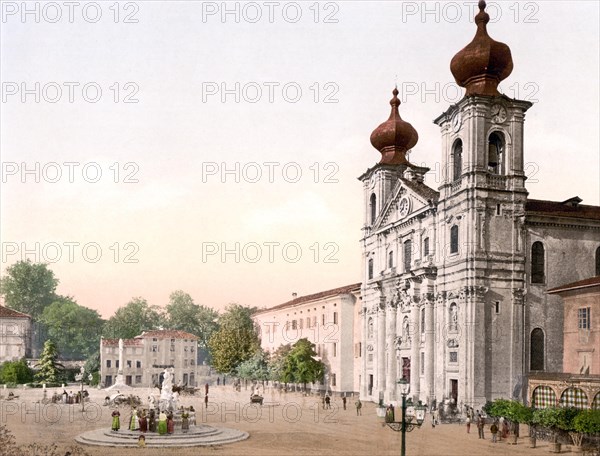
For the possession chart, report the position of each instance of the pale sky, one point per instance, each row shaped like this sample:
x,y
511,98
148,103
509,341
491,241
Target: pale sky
x,y
172,203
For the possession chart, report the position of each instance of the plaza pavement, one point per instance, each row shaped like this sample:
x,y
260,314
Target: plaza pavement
x,y
287,424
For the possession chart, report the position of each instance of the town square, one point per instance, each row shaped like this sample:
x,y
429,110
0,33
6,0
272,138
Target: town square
x,y
256,228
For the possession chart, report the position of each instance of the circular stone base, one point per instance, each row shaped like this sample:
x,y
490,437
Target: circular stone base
x,y
200,435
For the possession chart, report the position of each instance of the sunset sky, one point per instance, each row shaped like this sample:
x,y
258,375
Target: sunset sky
x,y
314,79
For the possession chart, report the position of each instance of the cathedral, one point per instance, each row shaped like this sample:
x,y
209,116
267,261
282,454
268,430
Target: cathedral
x,y
454,281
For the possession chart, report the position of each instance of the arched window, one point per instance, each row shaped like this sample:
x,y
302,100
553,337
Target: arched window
x,y
407,255
537,262
373,206
425,247
496,153
454,239
536,350
598,261
390,259
457,160
405,328
370,268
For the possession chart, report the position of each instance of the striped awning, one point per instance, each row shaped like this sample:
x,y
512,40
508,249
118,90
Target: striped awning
x,y
574,397
543,397
596,402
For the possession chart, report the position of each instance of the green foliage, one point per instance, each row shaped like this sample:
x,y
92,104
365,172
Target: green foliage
x,y
587,422
183,314
301,366
49,369
17,372
92,365
255,368
8,446
236,340
28,287
75,329
500,407
514,411
130,321
277,362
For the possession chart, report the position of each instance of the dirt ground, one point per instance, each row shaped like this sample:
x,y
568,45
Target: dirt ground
x,y
288,424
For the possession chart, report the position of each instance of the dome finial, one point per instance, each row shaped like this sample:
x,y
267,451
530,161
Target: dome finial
x,y
394,137
483,63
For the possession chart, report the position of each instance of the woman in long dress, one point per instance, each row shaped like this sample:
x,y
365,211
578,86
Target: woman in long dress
x,y
143,422
152,421
116,421
170,424
134,423
162,423
185,421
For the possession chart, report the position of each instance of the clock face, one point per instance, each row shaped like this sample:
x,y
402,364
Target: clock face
x,y
403,207
456,122
498,113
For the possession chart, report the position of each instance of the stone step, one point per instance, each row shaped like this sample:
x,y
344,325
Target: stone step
x,y
202,436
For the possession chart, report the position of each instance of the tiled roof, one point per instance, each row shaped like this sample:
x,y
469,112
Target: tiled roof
x,y
312,297
168,334
5,312
586,283
422,189
564,209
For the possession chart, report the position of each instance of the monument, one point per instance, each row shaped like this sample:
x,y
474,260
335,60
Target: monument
x,y
119,381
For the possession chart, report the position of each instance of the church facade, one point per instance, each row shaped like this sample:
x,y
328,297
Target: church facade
x,y
454,282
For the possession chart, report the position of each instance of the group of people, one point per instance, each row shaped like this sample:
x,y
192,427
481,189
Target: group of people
x,y
498,428
68,398
161,422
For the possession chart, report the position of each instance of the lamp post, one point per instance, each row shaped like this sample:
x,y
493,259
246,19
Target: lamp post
x,y
406,425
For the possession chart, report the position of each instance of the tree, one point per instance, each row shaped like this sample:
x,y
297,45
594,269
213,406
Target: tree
x,y
92,365
278,361
586,422
49,369
183,314
255,368
15,372
301,364
75,329
130,321
28,287
235,341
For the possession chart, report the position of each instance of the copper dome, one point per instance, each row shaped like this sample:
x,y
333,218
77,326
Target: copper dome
x,y
483,63
394,136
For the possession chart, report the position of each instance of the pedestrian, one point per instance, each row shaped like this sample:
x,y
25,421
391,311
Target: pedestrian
x,y
344,402
480,425
218,381
323,402
206,401
162,423
185,421
116,421
505,429
170,424
389,414
494,431
433,418
327,401
468,424
142,441
358,407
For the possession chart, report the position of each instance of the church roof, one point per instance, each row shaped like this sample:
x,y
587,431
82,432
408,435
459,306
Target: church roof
x,y
422,189
115,342
168,334
564,209
586,283
6,312
312,297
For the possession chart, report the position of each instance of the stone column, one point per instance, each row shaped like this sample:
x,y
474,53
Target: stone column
x,y
429,350
381,348
391,375
415,351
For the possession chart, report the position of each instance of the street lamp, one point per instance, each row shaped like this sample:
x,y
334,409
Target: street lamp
x,y
406,425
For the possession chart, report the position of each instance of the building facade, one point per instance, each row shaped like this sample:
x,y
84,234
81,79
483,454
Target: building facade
x,y
146,357
15,335
329,319
455,279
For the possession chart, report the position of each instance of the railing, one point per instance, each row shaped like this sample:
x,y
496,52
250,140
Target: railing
x,y
496,181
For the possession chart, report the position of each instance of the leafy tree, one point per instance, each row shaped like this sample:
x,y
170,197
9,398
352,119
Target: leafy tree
x,y
255,368
278,361
49,369
28,287
301,364
92,365
182,313
15,372
75,329
130,321
236,340
585,422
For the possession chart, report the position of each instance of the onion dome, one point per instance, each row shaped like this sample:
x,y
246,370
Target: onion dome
x,y
394,136
483,63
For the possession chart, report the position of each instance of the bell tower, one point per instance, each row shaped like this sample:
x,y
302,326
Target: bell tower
x,y
482,208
